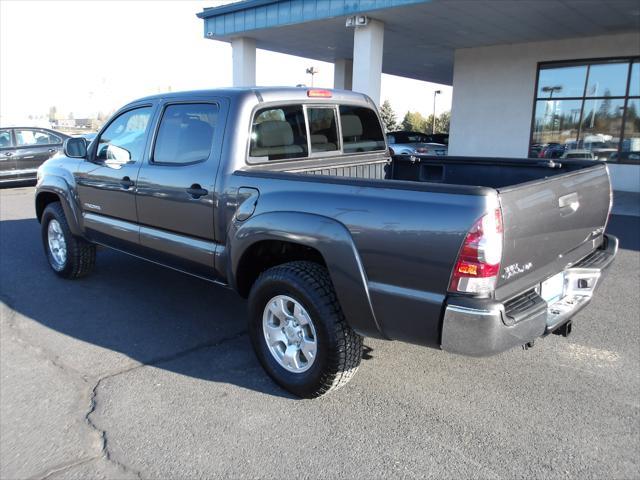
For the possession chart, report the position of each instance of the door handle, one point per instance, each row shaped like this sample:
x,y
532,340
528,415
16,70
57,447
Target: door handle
x,y
8,154
196,191
126,183
51,150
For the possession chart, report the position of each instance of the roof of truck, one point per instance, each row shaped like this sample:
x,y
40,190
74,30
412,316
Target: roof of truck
x,y
265,93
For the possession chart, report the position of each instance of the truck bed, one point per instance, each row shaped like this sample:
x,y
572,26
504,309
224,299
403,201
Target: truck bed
x,y
484,172
562,204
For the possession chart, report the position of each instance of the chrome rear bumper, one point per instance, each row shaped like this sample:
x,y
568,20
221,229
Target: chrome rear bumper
x,y
482,327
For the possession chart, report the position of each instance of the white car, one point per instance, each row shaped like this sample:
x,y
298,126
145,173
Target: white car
x,y
579,154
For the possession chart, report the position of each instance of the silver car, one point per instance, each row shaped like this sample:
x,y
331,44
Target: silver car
x,y
414,143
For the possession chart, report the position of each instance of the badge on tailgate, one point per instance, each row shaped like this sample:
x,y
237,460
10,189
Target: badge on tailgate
x,y
569,203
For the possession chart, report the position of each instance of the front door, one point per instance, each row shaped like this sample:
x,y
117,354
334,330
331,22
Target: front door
x,y
175,195
107,180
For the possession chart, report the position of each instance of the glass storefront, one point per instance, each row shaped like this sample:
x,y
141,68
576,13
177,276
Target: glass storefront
x,y
588,110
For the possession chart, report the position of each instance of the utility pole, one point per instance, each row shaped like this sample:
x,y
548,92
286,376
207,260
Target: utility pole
x,y
312,71
433,124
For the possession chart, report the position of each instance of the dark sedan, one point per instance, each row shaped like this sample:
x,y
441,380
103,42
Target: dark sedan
x,y
24,149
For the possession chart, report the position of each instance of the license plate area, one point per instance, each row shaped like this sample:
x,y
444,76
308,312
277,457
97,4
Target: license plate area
x,y
552,289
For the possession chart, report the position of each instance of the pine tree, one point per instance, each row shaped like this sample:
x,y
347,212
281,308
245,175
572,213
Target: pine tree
x,y
388,116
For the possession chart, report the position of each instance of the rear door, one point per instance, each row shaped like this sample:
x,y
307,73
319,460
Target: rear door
x,y
7,155
175,196
33,148
551,224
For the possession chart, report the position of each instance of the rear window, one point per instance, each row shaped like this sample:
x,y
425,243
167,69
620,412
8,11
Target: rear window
x,y
361,131
296,131
323,129
278,133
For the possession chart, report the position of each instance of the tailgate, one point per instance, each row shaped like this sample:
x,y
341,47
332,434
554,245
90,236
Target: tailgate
x,y
549,225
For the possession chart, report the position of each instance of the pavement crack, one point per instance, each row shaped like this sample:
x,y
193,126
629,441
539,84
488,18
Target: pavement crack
x,y
93,402
104,440
104,448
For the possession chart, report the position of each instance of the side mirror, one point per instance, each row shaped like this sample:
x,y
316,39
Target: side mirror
x,y
75,147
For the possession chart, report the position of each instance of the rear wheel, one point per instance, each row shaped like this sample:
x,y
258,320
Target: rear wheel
x,y
69,256
299,332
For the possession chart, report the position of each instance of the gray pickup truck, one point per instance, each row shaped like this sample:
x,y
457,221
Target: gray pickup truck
x,y
289,196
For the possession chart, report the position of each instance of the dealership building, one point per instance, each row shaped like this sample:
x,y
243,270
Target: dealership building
x,y
526,74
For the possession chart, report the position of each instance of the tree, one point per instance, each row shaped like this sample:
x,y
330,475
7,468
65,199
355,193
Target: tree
x,y
414,122
52,113
442,122
388,117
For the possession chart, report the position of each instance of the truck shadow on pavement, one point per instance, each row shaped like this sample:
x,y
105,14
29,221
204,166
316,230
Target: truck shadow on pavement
x,y
151,314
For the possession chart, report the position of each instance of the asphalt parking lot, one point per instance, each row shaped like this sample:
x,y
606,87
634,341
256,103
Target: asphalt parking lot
x,y
139,371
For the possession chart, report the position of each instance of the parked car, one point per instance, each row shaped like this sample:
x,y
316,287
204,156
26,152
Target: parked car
x,y
585,154
602,150
552,150
24,149
328,237
535,149
414,143
442,138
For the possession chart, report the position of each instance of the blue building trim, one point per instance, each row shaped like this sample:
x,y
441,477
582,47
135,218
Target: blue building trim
x,y
240,17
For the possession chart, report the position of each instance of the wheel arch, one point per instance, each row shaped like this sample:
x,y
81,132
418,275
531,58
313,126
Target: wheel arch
x,y
303,236
55,189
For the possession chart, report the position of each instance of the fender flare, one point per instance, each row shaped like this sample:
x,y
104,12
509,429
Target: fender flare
x,y
334,242
59,187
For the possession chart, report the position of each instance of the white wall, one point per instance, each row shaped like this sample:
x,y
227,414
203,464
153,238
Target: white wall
x,y
493,89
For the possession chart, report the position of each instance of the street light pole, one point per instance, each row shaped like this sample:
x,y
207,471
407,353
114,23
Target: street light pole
x,y
433,123
312,71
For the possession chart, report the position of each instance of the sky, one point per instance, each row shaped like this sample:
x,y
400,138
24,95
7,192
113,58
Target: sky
x,y
85,57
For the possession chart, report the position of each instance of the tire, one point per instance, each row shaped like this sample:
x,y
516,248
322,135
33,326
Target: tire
x,y
80,255
338,348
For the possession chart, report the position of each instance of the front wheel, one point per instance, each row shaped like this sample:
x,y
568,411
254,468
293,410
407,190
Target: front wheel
x,y
299,332
69,256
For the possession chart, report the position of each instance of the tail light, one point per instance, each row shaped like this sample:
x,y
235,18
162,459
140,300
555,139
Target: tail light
x,y
422,150
478,263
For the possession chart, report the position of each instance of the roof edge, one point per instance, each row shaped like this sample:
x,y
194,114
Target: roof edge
x,y
232,7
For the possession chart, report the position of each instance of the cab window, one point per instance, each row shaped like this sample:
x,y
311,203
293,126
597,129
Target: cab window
x,y
361,130
123,140
323,129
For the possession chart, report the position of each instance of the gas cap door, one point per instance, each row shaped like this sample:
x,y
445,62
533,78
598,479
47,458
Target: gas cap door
x,y
247,201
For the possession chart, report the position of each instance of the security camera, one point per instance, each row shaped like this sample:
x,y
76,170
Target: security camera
x,y
356,21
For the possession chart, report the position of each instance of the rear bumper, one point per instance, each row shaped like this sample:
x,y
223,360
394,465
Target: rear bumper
x,y
482,327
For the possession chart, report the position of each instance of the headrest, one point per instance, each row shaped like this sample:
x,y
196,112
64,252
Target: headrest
x,y
317,139
274,133
351,126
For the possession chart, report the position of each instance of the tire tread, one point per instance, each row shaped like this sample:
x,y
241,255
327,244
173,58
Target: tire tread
x,y
344,359
81,255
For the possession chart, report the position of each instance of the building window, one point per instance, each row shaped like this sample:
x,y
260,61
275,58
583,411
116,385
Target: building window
x,y
590,108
